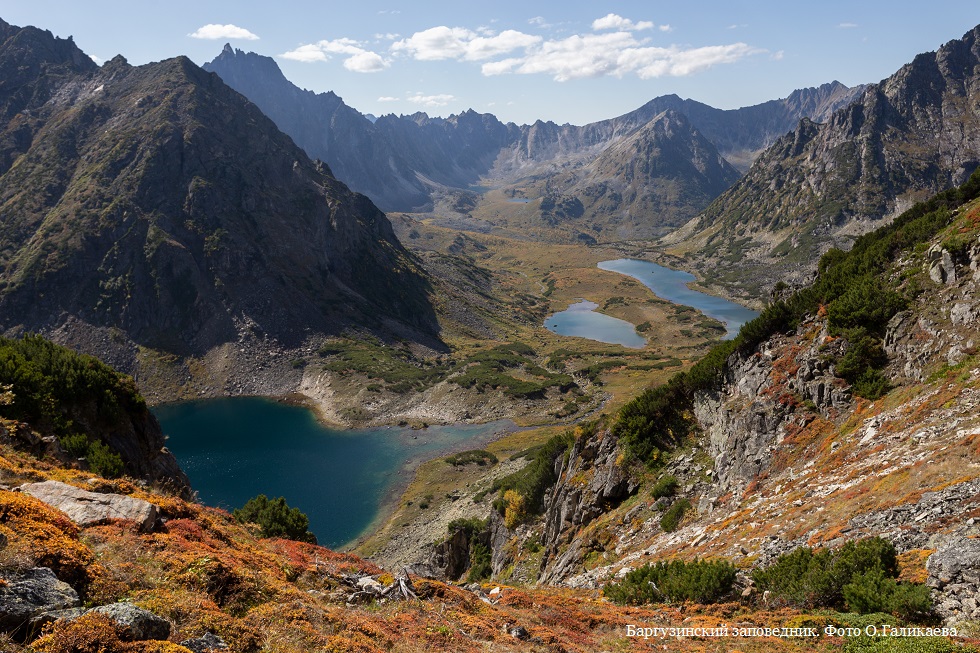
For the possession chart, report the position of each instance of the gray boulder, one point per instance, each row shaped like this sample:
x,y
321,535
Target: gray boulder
x,y
89,508
29,593
204,643
136,624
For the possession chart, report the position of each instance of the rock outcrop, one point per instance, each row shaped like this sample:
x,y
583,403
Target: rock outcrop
x,y
26,594
745,421
591,481
954,574
89,508
451,558
135,623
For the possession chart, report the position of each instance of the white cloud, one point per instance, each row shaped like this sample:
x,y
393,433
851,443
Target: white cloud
x,y
778,56
847,25
431,101
538,20
614,50
98,60
214,31
440,43
617,22
366,62
665,28
388,98
358,59
615,54
306,53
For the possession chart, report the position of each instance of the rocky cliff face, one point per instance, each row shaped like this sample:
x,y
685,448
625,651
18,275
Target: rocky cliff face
x,y
155,206
907,137
783,454
591,481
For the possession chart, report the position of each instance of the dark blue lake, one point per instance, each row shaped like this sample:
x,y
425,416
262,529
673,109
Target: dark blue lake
x,y
672,285
234,449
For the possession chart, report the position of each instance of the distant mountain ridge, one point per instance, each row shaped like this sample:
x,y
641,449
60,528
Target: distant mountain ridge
x,y
156,204
403,162
913,134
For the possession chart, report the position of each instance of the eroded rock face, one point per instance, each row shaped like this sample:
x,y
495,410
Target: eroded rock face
x,y
90,508
452,557
954,575
590,482
747,420
29,593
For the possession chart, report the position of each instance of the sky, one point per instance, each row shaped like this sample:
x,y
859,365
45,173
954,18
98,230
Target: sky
x,y
574,62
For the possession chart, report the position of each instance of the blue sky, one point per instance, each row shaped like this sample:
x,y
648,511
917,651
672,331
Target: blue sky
x,y
574,62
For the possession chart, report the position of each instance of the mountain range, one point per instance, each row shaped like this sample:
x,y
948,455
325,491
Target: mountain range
x,y
680,151
154,207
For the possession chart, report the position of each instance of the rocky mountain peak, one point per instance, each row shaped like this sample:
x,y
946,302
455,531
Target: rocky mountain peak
x,y
913,134
184,220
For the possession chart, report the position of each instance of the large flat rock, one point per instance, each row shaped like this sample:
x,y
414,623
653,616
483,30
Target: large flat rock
x,y
89,508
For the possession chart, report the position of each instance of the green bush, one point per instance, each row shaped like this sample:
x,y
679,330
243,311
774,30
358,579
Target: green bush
x,y
873,591
536,477
471,525
74,444
480,563
479,456
275,518
104,461
62,392
675,581
666,486
860,576
671,519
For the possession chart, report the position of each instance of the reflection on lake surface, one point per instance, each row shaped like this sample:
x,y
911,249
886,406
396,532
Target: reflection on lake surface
x,y
581,320
236,448
672,285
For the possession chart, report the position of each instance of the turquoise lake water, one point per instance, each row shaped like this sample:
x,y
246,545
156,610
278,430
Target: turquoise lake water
x,y
234,449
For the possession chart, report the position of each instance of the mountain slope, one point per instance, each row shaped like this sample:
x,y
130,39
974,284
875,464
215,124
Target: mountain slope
x,y
909,136
156,201
326,128
654,176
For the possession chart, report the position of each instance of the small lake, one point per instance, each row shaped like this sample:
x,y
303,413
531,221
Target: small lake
x,y
672,285
236,448
518,200
581,320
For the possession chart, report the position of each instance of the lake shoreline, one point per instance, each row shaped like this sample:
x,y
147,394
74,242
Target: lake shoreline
x,y
346,481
